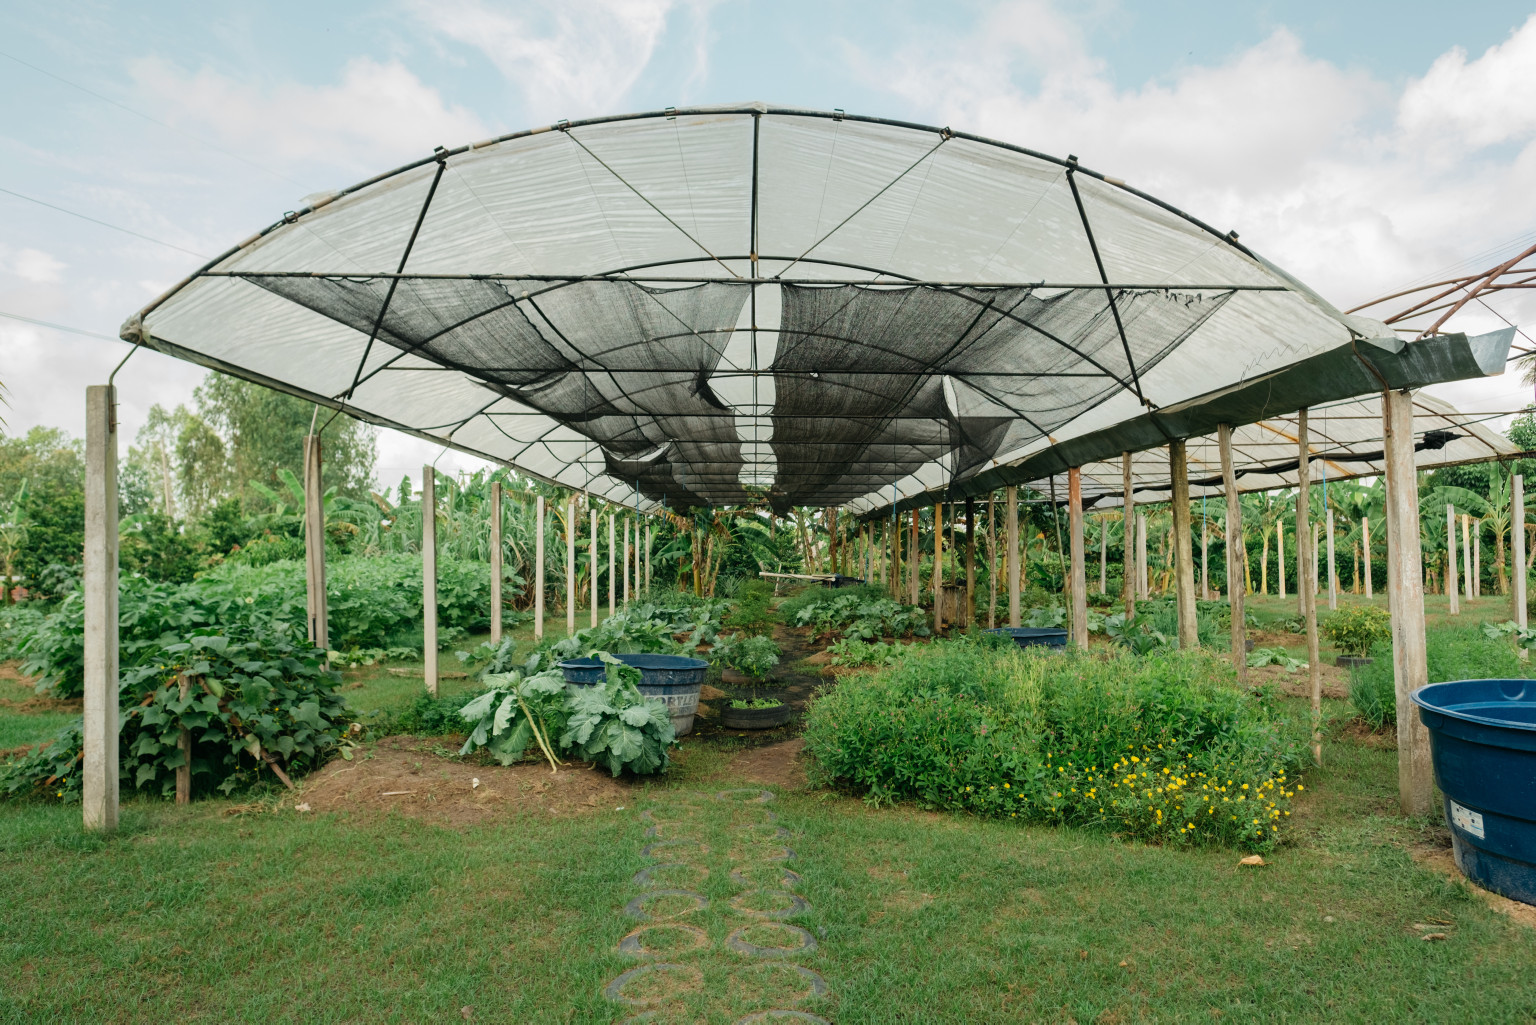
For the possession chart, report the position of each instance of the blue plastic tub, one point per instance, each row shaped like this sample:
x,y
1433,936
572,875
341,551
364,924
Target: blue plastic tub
x,y
675,679
1482,738
1034,636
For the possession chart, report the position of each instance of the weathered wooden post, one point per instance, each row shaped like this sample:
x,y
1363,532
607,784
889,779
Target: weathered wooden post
x,y
184,745
1365,528
938,567
570,566
592,565
1280,555
429,578
1405,584
1517,530
1333,571
496,562
1477,558
1015,613
1205,565
1466,553
626,562
916,562
1183,552
314,546
1128,523
648,543
1143,582
895,532
99,780
1452,588
538,569
1079,557
1306,589
613,581
1235,553
970,562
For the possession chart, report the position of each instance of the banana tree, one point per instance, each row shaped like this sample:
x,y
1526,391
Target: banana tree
x,y
13,535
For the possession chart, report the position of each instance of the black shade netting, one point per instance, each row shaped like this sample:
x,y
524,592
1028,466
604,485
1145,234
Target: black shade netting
x,y
623,364
872,383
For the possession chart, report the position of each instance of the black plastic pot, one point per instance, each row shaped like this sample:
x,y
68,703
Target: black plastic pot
x,y
754,718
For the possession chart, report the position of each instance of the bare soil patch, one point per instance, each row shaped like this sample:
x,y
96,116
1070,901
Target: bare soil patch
x,y
1440,859
18,694
778,765
1299,683
403,775
1384,739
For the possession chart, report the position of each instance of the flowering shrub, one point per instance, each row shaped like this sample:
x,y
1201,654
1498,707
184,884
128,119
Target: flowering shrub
x,y
1158,748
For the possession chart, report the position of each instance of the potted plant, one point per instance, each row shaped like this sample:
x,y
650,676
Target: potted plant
x,y
749,660
1354,630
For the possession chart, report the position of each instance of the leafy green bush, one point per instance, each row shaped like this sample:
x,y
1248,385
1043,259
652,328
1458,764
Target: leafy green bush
x,y
425,716
1258,658
16,623
1454,653
1160,747
753,656
853,652
752,608
856,615
262,703
1354,630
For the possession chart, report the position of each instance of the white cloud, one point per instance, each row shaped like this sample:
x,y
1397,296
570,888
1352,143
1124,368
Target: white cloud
x,y
377,114
570,58
1483,102
36,266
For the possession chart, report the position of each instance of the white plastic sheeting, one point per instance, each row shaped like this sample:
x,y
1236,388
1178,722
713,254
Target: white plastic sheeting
x,y
458,319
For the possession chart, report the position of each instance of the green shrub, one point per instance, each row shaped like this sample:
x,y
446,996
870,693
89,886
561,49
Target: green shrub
x,y
1161,747
1354,630
17,622
854,613
752,607
753,656
853,652
1454,653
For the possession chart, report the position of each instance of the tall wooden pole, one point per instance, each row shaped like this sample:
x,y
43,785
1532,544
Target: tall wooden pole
x,y
1333,571
613,581
1235,585
1015,613
538,569
1079,557
1143,582
592,564
1517,536
496,562
648,543
1280,554
1452,587
1183,552
915,558
1365,529
1466,553
992,561
938,566
570,566
626,562
1477,558
970,562
1306,588
99,780
429,578
1406,586
1128,522
894,530
1205,564
1103,554
317,608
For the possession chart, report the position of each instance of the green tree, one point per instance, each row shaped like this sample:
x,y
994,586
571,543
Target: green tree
x,y
53,466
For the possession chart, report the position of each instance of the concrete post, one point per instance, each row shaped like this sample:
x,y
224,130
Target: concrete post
x,y
538,569
316,608
970,562
99,780
1183,551
1079,577
1306,584
626,562
1235,553
429,578
915,561
1466,554
592,566
1015,613
1128,517
496,562
938,567
570,566
1517,532
1406,588
613,583
1452,587
1143,584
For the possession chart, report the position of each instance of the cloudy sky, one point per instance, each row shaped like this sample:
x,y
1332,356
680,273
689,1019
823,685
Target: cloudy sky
x,y
1362,146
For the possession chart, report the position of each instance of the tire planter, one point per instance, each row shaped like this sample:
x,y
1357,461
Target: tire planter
x,y
675,679
1352,661
735,677
755,718
1482,740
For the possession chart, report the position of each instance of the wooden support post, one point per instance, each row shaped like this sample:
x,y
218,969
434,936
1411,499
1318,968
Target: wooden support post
x,y
613,581
915,559
1103,554
992,561
1235,584
1466,553
184,744
1205,565
1280,554
99,780
1477,558
1306,589
496,562
626,562
1015,614
429,578
970,562
1452,587
1365,528
648,542
316,608
538,569
592,564
1143,582
938,567
1128,523
1517,537
1333,569
894,529
1079,557
1183,551
570,566
1405,583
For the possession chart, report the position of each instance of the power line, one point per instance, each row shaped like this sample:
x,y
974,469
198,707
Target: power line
x,y
104,224
150,118
59,327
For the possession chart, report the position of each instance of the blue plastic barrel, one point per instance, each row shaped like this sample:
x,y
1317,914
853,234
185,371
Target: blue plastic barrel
x,y
1034,636
675,679
1482,738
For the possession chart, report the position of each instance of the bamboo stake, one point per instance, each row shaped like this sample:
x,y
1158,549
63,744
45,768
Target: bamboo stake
x,y
1079,570
184,744
496,562
1307,589
429,578
538,569
1235,587
1452,588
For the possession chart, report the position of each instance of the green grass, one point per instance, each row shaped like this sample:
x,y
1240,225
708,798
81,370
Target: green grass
x,y
919,917
20,730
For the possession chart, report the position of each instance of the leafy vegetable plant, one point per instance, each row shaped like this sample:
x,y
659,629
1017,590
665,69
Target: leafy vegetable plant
x,y
612,723
1258,658
1354,630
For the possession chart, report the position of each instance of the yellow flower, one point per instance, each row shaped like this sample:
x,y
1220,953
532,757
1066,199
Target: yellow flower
x,y
1007,786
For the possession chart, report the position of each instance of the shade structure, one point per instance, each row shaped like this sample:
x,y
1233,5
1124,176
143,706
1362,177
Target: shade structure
x,y
714,305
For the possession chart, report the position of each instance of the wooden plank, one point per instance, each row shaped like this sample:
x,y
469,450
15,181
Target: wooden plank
x,y
1405,583
538,569
496,562
1015,613
429,578
1128,520
1306,589
1079,578
1183,550
1235,551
